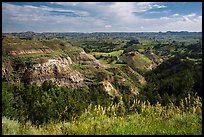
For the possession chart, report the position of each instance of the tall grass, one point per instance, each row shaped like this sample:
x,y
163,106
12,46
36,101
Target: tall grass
x,y
145,119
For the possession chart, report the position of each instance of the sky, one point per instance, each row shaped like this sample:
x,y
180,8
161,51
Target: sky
x,y
101,16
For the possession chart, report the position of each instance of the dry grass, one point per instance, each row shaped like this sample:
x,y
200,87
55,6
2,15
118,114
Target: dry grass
x,y
97,120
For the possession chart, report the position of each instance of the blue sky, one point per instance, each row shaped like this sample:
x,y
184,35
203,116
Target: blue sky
x,y
101,16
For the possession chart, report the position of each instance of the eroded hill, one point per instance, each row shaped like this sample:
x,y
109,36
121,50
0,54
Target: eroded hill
x,y
115,63
35,61
55,77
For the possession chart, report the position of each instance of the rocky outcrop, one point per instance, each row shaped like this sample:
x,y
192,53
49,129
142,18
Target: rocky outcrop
x,y
87,59
107,86
30,51
6,69
156,60
55,70
135,76
134,90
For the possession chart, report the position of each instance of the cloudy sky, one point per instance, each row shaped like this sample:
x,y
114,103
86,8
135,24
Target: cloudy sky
x,y
101,16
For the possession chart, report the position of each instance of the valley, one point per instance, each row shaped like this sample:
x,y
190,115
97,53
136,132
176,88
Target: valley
x,y
55,77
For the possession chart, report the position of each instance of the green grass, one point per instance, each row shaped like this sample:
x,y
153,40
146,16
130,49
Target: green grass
x,y
137,61
105,58
185,119
103,54
182,124
193,59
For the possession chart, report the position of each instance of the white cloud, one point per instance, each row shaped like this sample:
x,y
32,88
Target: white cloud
x,y
190,22
158,6
175,15
158,12
108,26
164,18
95,16
145,6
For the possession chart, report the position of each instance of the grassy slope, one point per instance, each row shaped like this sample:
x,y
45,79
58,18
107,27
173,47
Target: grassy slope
x,y
137,61
114,53
59,48
104,57
183,120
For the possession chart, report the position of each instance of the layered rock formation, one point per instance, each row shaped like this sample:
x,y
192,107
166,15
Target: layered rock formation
x,y
56,70
87,59
30,51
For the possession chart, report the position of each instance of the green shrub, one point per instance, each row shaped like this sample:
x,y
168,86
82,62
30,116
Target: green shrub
x,y
99,120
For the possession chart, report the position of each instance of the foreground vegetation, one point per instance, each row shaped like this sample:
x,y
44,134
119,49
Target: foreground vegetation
x,y
145,119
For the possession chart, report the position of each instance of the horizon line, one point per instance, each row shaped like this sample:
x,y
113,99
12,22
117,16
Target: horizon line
x,y
105,31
